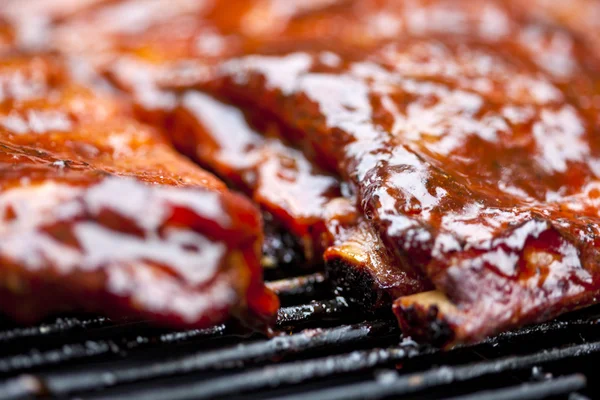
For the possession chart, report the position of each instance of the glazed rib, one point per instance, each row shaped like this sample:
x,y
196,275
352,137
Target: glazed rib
x,y
99,214
307,201
277,177
470,141
473,155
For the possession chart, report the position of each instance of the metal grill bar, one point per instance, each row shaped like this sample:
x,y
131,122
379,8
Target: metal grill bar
x,y
528,391
285,374
315,311
301,289
124,339
446,375
545,328
230,357
91,349
577,396
60,325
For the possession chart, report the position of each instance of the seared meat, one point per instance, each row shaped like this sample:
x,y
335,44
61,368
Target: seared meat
x,y
474,156
98,213
466,132
308,202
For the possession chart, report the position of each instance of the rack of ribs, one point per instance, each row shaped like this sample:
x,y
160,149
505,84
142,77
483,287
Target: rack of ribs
x,y
473,156
442,143
100,214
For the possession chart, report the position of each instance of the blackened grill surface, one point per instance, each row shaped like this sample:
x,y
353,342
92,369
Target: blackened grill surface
x,y
326,350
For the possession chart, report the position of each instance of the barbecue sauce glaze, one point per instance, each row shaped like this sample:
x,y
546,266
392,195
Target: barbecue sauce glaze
x,y
100,214
466,130
472,147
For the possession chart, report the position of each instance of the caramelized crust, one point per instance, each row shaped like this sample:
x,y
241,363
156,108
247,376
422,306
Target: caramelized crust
x,y
80,229
307,201
474,156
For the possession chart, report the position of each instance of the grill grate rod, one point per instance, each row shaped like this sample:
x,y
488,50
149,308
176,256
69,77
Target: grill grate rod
x,y
279,375
60,325
315,312
301,289
304,314
91,349
445,375
67,382
530,391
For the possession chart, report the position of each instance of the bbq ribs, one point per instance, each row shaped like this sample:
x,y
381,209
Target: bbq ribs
x,y
473,155
416,144
307,201
100,214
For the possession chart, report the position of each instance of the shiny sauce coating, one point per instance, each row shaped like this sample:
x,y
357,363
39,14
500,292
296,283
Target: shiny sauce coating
x,y
473,147
307,201
100,214
467,129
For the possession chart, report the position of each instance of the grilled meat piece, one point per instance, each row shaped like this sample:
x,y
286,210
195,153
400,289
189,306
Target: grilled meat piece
x,y
469,141
277,177
98,213
474,156
360,266
307,201
144,45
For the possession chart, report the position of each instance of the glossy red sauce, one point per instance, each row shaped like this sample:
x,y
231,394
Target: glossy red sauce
x,y
307,201
278,177
474,155
179,250
467,129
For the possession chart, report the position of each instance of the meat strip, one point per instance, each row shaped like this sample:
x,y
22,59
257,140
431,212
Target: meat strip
x,y
471,143
99,214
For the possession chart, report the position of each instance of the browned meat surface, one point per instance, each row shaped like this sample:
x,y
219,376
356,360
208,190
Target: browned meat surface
x,y
156,49
307,201
474,156
98,213
466,132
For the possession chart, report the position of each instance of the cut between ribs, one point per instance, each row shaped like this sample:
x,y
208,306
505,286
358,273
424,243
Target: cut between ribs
x,y
307,201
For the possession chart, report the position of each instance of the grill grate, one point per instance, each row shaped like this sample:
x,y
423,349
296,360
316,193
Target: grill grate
x,y
327,350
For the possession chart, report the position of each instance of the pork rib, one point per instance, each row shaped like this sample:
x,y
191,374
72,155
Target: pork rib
x,y
98,213
473,154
